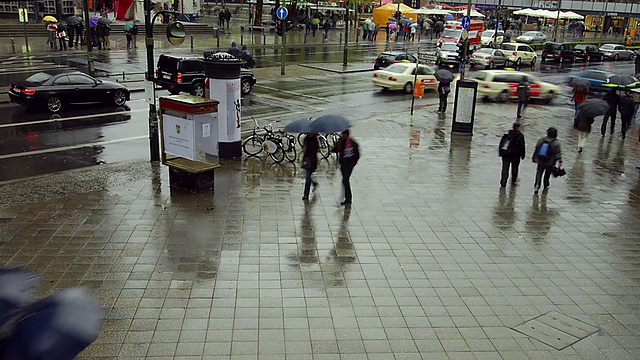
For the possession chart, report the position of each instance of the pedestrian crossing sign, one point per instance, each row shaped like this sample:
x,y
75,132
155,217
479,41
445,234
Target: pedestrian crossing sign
x,y
23,15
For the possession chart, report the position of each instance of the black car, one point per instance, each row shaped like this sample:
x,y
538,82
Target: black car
x,y
186,74
587,52
557,51
391,57
56,90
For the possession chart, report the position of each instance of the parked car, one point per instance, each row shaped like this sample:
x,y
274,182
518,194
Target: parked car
x,y
502,85
557,51
587,53
490,38
55,90
448,53
391,57
519,53
531,37
596,78
489,58
186,74
616,52
401,77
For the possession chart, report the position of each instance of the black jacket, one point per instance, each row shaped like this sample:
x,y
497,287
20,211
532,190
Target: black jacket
x,y
516,149
347,157
310,154
627,107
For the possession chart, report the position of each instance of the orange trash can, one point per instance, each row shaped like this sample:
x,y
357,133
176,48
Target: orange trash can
x,y
419,89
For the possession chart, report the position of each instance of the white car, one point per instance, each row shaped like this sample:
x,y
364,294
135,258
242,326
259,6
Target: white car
x,y
502,85
490,38
531,37
519,53
400,76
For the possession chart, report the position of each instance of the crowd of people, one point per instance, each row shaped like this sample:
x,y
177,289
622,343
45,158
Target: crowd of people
x,y
64,37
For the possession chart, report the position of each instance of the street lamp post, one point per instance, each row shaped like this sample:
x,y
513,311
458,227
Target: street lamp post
x,y
87,26
555,28
345,53
465,49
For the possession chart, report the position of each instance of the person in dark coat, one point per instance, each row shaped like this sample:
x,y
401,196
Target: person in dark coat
x,y
221,18
227,17
583,126
637,62
326,26
547,161
234,50
613,100
512,150
310,162
70,34
79,34
627,108
443,91
523,96
348,155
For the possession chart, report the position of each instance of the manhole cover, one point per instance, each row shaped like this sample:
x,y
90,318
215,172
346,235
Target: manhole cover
x,y
556,330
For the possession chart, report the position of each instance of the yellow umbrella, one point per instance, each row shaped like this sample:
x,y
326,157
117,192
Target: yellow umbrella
x,y
50,19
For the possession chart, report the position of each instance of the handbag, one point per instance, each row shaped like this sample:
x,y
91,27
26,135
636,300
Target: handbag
x,y
558,172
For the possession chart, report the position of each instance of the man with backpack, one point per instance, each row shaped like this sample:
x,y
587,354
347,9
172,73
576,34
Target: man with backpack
x,y
546,154
511,151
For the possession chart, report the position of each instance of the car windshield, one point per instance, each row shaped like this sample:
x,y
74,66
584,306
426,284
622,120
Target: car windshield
x,y
167,63
449,47
580,47
530,33
485,51
552,46
508,47
451,33
38,78
607,47
488,33
397,68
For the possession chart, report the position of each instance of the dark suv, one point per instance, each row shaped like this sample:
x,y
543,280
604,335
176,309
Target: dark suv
x,y
391,57
557,51
587,52
178,74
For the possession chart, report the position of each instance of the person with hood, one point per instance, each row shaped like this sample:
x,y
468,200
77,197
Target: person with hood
x,y
310,162
512,150
546,153
348,155
221,18
234,50
524,90
627,108
613,100
246,56
583,125
326,26
227,17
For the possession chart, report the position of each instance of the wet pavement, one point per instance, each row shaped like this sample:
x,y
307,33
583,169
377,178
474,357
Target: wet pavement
x,y
432,261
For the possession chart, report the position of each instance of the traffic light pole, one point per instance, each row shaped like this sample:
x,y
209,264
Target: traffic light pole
x,y
465,50
284,42
345,53
87,31
154,139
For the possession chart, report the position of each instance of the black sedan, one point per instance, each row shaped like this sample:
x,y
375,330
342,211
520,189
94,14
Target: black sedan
x,y
58,90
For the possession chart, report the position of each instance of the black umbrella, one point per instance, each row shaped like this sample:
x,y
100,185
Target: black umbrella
x,y
298,126
16,290
73,20
593,107
328,124
444,76
579,83
104,21
619,80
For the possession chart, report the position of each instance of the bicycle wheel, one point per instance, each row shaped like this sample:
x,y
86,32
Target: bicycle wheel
x,y
323,147
275,150
252,146
301,137
289,147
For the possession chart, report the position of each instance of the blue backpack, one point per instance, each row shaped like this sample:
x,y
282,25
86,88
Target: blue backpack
x,y
543,151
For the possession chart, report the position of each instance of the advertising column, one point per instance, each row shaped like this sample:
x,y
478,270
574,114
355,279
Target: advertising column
x,y
223,71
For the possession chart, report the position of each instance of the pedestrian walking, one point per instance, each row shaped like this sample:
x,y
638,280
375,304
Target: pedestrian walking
x,y
412,30
62,37
315,22
511,150
134,35
613,100
579,95
524,90
365,30
443,91
546,154
326,28
583,125
310,162
627,108
376,29
107,39
52,38
79,35
221,19
348,155
637,62
70,34
227,17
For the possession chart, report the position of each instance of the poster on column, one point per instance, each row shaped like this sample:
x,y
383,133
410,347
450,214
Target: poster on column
x,y
178,136
233,108
229,114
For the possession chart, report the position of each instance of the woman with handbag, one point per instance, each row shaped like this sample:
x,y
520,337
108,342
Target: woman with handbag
x,y
310,162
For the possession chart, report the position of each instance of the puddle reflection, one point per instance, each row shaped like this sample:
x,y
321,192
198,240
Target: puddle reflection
x,y
539,218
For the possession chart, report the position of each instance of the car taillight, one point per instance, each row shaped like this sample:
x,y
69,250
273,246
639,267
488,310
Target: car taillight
x,y
179,78
487,57
376,61
392,78
393,62
429,80
157,73
584,52
559,52
28,91
514,53
206,83
375,75
11,86
485,86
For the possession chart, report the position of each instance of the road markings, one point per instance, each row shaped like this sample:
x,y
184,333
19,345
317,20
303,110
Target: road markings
x,y
71,147
91,116
301,95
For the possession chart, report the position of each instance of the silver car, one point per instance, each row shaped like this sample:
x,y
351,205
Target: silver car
x,y
489,58
616,52
531,37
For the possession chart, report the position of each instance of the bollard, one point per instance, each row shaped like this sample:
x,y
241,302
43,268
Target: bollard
x,y
122,75
340,38
357,35
192,43
13,46
217,38
241,39
264,37
323,38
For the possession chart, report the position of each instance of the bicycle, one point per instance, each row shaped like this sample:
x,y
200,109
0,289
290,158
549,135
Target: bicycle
x,y
277,146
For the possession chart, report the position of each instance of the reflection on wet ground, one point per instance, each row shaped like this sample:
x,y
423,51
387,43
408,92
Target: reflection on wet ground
x,y
433,260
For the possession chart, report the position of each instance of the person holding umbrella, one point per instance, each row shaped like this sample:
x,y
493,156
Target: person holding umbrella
x,y
444,77
579,95
627,108
589,109
613,100
310,162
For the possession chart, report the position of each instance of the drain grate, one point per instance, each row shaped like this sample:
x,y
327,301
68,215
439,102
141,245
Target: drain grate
x,y
556,330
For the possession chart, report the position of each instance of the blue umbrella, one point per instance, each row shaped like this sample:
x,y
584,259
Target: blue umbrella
x,y
16,290
299,126
93,21
328,124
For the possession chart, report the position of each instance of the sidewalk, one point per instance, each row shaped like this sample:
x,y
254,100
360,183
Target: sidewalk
x,y
432,261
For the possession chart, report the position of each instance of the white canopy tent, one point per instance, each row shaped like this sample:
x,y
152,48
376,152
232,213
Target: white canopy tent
x,y
423,11
571,15
474,13
525,12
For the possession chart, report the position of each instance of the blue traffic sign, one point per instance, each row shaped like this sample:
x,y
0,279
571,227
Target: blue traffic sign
x,y
282,13
466,22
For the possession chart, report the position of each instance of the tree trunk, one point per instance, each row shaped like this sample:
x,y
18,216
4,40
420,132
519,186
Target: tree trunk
x,y
257,17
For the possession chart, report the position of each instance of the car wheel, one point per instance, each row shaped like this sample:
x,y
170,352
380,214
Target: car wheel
x,y
503,97
533,61
408,88
174,91
376,67
518,62
198,89
246,86
54,104
491,65
588,58
631,56
616,57
119,97
490,44
549,97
